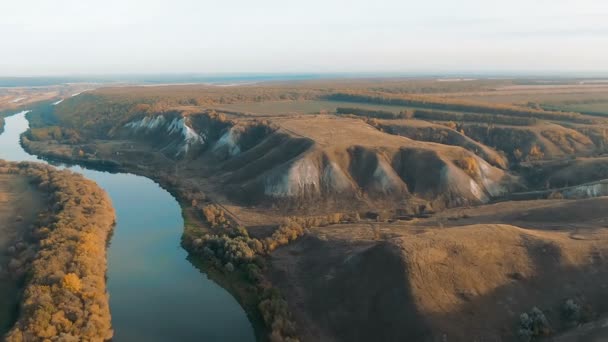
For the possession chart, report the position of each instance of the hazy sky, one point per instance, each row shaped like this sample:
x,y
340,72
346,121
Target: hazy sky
x,y
44,37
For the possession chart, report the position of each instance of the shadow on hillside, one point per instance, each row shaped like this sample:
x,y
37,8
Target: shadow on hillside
x,y
363,297
494,316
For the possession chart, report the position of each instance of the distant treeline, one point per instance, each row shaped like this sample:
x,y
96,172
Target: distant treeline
x,y
379,114
585,112
452,104
438,115
494,119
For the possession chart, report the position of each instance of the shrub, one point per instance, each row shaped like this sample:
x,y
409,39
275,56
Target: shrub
x,y
555,195
214,215
275,311
517,154
469,165
535,153
71,282
533,325
571,313
288,231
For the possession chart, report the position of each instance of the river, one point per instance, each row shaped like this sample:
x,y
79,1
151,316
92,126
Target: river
x,y
156,294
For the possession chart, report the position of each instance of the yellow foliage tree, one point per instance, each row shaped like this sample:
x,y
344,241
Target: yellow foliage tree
x,y
71,282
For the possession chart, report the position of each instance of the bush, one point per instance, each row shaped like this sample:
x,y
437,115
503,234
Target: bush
x,y
533,325
469,165
71,282
214,215
571,313
555,195
287,232
535,153
275,311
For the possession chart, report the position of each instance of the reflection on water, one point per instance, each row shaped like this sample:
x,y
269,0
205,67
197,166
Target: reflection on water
x,y
155,293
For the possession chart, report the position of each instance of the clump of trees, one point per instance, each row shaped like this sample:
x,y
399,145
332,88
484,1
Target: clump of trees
x,y
571,313
229,248
275,311
289,231
535,153
64,296
59,134
215,216
294,227
574,312
469,165
533,325
235,251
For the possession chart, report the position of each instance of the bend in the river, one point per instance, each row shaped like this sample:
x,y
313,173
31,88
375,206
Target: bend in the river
x,y
156,294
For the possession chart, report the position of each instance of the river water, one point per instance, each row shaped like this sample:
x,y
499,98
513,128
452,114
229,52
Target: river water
x,y
156,294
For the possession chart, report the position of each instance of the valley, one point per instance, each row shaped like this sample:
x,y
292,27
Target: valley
x,y
427,205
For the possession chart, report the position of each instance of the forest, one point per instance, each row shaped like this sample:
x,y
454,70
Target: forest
x,y
64,295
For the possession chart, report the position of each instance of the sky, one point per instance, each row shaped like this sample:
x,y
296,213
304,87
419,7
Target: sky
x,y
78,37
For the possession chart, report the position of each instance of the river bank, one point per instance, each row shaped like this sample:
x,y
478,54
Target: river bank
x,y
149,276
249,291
190,200
205,242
